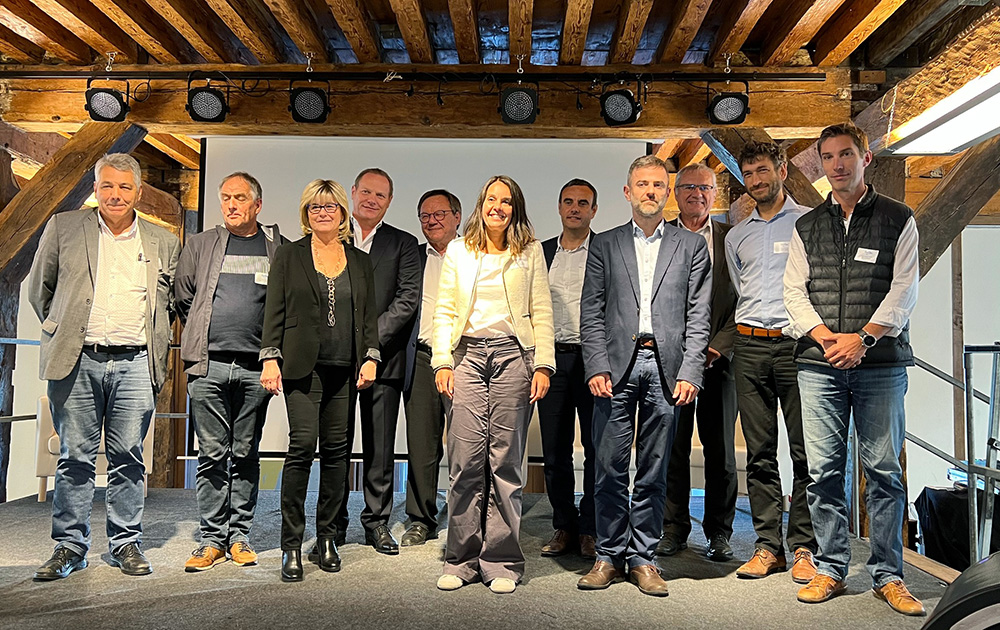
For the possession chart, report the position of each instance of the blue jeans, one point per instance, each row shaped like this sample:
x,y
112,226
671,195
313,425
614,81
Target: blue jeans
x,y
228,406
113,392
875,396
628,534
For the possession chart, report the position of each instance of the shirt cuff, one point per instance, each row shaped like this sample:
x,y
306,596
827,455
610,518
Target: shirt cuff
x,y
801,328
374,354
270,353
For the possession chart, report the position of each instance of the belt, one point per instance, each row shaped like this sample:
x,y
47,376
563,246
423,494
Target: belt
x,y
568,347
752,331
646,342
423,347
96,347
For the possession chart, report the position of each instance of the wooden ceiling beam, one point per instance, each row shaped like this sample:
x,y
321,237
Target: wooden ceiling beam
x,y
922,165
31,22
353,19
175,148
737,23
840,38
254,29
796,26
150,30
519,16
299,21
203,29
19,48
692,151
413,27
465,24
92,26
576,25
628,30
906,28
668,148
687,19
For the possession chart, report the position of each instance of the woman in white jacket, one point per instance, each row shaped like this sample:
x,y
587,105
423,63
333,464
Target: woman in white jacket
x,y
493,352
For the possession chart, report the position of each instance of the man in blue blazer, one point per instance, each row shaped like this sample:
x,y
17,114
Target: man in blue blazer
x,y
644,325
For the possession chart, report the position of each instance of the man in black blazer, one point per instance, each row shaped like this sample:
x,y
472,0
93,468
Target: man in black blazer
x,y
716,402
396,264
440,213
569,396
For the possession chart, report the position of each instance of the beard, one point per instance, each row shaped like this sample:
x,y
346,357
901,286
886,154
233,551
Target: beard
x,y
767,195
648,208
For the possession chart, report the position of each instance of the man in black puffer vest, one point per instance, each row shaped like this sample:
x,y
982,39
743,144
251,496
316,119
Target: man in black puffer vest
x,y
850,286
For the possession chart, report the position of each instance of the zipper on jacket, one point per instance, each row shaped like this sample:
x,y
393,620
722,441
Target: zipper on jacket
x,y
843,277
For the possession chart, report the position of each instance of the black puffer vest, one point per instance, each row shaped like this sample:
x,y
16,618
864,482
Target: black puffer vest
x,y
844,286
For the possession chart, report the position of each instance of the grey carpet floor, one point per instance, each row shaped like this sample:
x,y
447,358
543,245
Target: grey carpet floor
x,y
375,591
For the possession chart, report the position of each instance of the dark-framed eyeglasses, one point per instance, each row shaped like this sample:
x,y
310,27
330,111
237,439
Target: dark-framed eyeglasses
x,y
691,187
330,208
425,217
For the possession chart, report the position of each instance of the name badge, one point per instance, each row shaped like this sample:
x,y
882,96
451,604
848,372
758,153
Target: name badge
x,y
260,277
866,255
781,247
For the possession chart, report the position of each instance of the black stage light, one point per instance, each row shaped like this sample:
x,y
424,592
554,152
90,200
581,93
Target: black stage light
x,y
207,104
107,104
309,104
620,107
518,105
729,108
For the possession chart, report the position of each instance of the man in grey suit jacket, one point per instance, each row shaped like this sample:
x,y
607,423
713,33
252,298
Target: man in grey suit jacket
x,y
644,324
101,285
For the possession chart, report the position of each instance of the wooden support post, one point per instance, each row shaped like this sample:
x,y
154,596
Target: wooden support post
x,y
888,176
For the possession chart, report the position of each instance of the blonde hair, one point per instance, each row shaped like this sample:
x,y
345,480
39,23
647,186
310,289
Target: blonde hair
x,y
519,232
316,188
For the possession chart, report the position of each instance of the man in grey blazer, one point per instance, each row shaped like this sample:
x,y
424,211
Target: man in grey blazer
x,y
644,325
101,285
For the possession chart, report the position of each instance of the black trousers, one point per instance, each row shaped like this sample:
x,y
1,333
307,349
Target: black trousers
x,y
568,398
766,374
715,409
318,408
425,417
379,413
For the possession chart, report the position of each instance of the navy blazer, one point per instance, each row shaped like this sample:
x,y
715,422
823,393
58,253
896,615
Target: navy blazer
x,y
411,345
681,305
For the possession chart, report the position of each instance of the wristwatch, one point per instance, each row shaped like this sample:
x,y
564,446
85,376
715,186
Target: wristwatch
x,y
867,340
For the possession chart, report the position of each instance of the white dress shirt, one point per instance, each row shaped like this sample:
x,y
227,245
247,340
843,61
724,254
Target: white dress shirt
x,y
566,283
432,278
647,250
490,316
706,233
364,244
118,312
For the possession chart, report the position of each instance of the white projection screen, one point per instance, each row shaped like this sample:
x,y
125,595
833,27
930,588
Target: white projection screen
x,y
285,165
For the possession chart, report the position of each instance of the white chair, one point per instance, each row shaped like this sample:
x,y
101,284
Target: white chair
x,y
47,451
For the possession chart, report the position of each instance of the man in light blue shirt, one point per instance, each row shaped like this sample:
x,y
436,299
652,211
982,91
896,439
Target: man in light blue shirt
x,y
764,364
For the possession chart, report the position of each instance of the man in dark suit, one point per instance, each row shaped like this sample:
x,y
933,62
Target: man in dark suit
x,y
716,402
396,263
569,396
440,213
644,324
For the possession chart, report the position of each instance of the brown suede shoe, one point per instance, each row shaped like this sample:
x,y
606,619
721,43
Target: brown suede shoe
x,y
898,596
821,588
559,545
243,554
803,567
588,547
603,575
648,579
762,564
204,558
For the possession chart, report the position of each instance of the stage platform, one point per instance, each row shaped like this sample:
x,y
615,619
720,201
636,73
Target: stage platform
x,y
375,591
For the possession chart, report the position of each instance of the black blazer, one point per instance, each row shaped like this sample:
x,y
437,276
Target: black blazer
x,y
293,311
398,274
723,331
411,345
550,246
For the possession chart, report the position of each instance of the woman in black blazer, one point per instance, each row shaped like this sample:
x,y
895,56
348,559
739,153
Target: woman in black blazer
x,y
320,342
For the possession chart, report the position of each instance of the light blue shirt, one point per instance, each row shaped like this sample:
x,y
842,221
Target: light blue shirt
x,y
647,249
757,251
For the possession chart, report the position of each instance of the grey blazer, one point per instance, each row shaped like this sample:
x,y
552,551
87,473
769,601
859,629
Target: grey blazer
x,y
61,288
681,304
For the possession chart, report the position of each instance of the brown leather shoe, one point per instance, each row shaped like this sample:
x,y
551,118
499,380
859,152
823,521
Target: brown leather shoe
x,y
803,567
559,544
603,575
821,588
762,564
898,596
588,547
243,554
204,558
648,579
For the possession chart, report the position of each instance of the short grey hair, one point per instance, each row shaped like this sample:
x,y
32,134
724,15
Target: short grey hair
x,y
255,190
695,168
120,162
646,161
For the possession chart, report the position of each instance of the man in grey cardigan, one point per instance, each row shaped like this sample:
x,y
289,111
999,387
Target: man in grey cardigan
x,y
100,284
220,288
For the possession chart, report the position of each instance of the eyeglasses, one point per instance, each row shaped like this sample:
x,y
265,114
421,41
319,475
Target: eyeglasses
x,y
437,216
330,208
691,187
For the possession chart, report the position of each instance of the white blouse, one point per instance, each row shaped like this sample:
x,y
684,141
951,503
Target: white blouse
x,y
490,316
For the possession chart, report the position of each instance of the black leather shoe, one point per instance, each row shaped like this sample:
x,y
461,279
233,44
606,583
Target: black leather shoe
x,y
130,560
327,556
417,534
291,565
670,545
63,562
382,541
719,549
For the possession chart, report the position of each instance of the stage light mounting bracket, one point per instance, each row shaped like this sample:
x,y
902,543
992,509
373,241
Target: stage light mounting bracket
x,y
727,108
620,105
107,104
309,103
207,103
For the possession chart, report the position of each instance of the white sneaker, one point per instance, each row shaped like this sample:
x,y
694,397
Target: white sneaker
x,y
503,585
450,582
